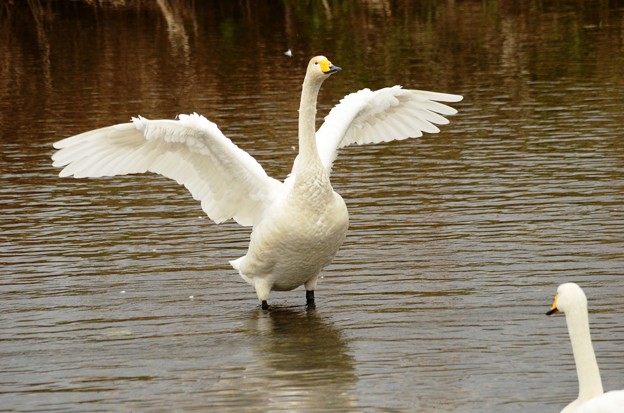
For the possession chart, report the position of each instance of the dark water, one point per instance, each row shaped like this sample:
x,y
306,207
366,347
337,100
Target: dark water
x,y
116,294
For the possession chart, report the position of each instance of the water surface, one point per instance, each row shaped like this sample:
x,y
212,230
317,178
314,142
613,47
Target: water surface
x,y
116,293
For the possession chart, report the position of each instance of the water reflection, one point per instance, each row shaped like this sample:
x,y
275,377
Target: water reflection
x,y
301,363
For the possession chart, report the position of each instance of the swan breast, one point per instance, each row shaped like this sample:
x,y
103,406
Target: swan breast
x,y
296,240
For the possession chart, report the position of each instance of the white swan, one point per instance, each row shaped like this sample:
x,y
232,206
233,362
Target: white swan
x,y
298,224
572,301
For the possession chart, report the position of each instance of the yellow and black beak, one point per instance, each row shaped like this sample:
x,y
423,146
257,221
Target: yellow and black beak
x,y
328,68
553,308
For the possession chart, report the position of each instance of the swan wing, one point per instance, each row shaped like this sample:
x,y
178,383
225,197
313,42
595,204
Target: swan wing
x,y
192,151
382,115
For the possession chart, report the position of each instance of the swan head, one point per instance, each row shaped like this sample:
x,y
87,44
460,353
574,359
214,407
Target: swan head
x,y
320,68
569,297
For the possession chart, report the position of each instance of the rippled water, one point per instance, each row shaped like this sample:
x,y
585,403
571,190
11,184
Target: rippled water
x,y
116,293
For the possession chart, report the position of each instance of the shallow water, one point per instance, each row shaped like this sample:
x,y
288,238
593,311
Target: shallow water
x,y
116,293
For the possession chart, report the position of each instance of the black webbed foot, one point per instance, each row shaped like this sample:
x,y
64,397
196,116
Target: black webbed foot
x,y
265,305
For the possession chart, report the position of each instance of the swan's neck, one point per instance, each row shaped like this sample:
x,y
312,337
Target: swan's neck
x,y
587,370
308,153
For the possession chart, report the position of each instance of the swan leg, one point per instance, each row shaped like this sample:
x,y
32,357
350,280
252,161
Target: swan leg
x,y
263,288
310,286
310,299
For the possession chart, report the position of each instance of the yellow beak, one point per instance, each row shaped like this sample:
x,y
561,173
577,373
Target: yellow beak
x,y
553,308
328,68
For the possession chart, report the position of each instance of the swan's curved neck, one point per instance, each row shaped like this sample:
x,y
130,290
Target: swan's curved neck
x,y
308,152
587,370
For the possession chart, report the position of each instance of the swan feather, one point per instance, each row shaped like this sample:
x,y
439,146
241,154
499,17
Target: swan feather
x,y
191,150
610,402
384,115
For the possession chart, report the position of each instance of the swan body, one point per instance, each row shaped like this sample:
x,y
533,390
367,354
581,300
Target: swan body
x,y
298,224
571,300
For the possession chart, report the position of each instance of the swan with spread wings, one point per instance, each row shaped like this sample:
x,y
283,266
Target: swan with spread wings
x,y
298,224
